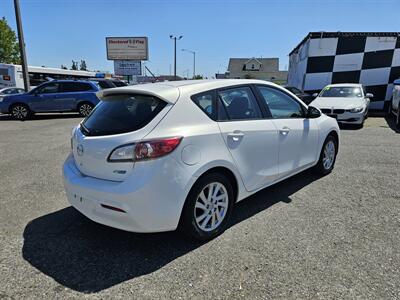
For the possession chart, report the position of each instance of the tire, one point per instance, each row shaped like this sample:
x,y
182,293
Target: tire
x,y
20,112
389,108
326,168
198,215
397,123
85,109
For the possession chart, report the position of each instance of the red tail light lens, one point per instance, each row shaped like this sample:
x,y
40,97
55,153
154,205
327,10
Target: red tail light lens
x,y
156,148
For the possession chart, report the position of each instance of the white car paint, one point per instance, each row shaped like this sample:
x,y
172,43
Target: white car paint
x,y
328,105
152,192
394,108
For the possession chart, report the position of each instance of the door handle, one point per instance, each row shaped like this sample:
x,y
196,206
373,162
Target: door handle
x,y
236,135
285,130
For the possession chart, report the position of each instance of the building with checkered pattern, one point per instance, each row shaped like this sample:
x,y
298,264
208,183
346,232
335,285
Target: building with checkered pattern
x,y
369,58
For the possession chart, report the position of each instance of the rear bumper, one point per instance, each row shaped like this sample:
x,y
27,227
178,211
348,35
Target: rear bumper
x,y
151,201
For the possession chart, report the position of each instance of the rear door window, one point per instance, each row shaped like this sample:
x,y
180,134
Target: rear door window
x,y
240,103
122,113
73,87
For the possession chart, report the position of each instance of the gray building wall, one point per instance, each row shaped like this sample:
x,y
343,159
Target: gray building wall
x,y
256,68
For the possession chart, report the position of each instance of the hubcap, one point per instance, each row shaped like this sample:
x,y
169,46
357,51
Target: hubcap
x,y
19,112
329,155
211,206
85,109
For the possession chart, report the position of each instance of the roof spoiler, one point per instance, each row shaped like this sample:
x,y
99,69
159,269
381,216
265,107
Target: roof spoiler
x,y
167,95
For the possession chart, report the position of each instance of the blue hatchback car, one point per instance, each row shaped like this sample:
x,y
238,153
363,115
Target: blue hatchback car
x,y
53,96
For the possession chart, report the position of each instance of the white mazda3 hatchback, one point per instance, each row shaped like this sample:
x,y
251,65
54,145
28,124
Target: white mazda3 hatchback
x,y
156,157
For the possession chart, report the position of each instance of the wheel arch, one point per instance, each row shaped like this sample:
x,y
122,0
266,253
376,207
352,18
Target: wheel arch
x,y
228,173
83,101
18,103
336,137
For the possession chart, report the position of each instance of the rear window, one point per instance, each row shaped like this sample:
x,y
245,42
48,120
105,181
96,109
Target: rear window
x,y
122,113
75,87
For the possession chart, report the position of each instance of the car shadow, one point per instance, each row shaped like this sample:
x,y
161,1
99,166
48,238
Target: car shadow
x,y
47,116
391,123
88,257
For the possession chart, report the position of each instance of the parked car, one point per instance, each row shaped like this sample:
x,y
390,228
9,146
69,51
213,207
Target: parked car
x,y
307,98
109,83
347,103
53,96
394,105
10,91
159,156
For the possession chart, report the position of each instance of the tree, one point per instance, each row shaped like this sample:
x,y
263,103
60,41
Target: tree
x,y
64,67
9,48
198,77
83,66
74,65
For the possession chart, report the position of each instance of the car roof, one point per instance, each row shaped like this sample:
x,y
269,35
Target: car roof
x,y
345,85
171,90
69,80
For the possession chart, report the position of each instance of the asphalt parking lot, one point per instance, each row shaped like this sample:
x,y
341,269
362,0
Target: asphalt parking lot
x,y
307,237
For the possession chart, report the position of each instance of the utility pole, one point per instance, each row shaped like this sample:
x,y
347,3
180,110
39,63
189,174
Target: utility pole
x,y
194,60
22,46
175,38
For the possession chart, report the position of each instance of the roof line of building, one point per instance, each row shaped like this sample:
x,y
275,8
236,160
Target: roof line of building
x,y
258,58
335,34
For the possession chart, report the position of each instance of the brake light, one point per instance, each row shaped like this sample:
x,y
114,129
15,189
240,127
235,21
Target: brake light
x,y
144,150
156,148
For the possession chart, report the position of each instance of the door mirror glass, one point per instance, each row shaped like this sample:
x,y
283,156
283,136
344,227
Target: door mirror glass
x,y
369,95
313,112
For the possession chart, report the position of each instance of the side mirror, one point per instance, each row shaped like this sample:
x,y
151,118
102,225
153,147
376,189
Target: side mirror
x,y
369,95
315,95
313,112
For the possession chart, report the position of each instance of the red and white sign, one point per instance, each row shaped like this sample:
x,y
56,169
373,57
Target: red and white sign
x,y
127,48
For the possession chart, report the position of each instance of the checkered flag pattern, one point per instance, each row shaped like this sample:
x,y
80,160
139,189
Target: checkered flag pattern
x,y
373,61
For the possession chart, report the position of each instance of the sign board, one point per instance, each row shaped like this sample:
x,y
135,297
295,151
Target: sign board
x,y
127,48
127,67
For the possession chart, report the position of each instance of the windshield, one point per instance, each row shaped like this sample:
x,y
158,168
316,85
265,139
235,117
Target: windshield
x,y
343,91
122,113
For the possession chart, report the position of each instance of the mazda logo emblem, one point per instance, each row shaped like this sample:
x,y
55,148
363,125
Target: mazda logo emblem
x,y
79,149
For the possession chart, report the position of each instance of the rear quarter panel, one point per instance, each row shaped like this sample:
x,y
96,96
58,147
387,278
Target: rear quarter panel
x,y
202,147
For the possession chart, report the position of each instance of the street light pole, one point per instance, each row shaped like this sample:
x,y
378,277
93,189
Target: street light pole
x,y
175,38
194,60
21,46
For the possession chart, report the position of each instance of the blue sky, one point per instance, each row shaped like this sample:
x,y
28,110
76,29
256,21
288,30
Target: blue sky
x,y
57,31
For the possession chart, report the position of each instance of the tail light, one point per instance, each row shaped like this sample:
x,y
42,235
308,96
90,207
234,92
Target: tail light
x,y
144,150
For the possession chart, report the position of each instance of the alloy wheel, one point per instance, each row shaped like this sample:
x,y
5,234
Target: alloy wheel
x,y
85,109
211,206
20,112
329,155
